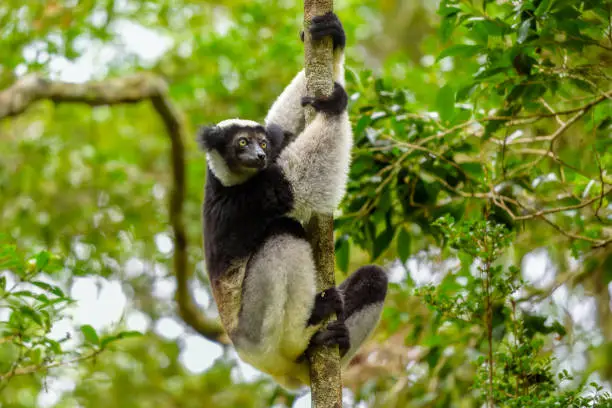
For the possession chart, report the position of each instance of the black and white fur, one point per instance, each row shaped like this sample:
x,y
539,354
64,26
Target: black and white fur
x,y
263,184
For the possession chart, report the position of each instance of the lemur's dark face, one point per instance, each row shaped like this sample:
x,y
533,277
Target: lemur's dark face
x,y
245,148
249,149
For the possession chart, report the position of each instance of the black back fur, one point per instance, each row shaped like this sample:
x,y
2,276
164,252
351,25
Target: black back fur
x,y
238,219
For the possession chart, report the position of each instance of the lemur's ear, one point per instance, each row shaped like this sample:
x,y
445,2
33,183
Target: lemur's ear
x,y
278,137
275,134
210,137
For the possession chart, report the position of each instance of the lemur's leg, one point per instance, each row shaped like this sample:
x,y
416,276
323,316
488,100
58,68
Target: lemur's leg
x,y
287,111
364,293
336,332
278,296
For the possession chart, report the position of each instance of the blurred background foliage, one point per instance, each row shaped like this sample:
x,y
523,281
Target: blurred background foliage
x,y
497,113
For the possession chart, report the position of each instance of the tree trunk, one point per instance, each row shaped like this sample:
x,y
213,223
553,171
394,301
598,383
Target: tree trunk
x,y
326,383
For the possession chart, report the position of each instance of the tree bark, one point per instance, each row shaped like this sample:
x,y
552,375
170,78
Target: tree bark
x,y
326,381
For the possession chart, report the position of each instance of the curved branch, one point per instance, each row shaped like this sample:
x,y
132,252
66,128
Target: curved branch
x,y
16,99
30,89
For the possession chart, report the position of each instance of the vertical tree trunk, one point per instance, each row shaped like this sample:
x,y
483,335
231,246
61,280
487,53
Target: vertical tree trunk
x,y
326,383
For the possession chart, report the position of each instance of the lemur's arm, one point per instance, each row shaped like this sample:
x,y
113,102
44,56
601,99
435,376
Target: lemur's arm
x,y
287,110
316,164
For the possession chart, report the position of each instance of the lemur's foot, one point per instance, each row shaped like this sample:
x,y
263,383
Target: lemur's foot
x,y
327,302
327,24
334,104
335,333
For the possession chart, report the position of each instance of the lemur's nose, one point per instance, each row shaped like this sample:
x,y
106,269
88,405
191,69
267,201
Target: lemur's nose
x,y
261,156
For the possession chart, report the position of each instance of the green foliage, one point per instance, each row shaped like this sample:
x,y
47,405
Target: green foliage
x,y
32,307
501,139
513,369
482,137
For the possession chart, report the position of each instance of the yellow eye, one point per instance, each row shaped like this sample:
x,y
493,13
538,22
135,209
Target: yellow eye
x,y
242,142
263,145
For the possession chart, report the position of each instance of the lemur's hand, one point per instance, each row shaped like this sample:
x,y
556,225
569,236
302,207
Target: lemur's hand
x,y
335,104
327,24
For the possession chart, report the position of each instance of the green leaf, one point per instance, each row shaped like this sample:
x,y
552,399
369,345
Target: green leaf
x,y
42,259
382,242
31,313
21,293
53,345
516,93
342,253
542,8
129,333
566,16
558,328
90,334
42,285
447,26
460,50
495,27
489,72
466,261
481,29
106,340
50,288
466,92
474,169
36,355
362,123
403,244
448,10
445,103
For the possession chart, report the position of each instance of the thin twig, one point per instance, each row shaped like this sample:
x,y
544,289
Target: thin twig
x,y
559,121
547,153
540,213
601,180
35,368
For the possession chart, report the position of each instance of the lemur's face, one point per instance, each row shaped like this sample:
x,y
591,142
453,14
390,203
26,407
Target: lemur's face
x,y
249,149
237,149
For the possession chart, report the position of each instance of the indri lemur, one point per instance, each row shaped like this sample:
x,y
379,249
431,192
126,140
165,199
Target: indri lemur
x,y
263,184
